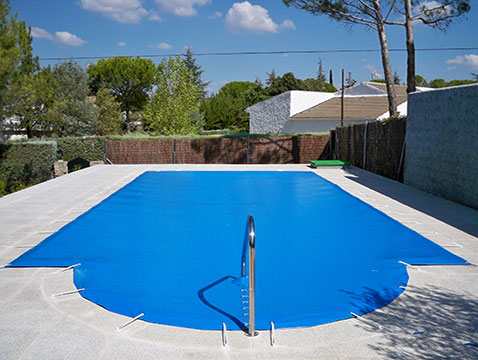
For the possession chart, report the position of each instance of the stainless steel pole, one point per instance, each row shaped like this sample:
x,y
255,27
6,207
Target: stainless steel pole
x,y
252,276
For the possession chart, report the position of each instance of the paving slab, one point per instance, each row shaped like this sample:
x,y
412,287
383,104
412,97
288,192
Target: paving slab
x,y
435,318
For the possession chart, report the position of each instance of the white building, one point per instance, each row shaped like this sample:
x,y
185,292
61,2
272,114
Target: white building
x,y
308,111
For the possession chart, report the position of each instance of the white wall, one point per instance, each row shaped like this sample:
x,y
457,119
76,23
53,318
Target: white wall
x,y
303,100
402,111
269,116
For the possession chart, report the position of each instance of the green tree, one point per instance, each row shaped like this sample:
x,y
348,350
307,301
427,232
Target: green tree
x,y
475,76
437,14
16,59
362,12
271,77
195,70
36,105
109,120
420,81
438,83
321,78
285,83
130,80
174,102
79,113
314,85
226,109
396,78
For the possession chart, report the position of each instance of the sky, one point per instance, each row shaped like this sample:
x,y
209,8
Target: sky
x,y
100,28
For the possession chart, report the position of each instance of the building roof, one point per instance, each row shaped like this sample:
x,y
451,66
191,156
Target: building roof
x,y
355,107
400,90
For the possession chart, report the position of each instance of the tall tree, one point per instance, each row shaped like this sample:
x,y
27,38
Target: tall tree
x,y
16,59
174,101
362,12
437,14
321,78
271,77
225,110
35,103
129,79
284,83
79,113
195,70
109,114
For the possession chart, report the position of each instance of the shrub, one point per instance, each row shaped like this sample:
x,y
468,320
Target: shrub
x,y
89,149
26,163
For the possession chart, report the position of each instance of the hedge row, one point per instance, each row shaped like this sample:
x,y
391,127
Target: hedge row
x,y
25,164
90,149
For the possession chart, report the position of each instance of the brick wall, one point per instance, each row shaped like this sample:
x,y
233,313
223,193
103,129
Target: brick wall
x,y
225,150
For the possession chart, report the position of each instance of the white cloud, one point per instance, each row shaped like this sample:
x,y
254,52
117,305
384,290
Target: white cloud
x,y
245,17
162,46
469,61
67,39
39,33
216,15
287,24
123,11
121,43
181,7
435,6
153,16
450,68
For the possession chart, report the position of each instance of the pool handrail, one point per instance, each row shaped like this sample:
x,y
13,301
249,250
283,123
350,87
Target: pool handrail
x,y
251,230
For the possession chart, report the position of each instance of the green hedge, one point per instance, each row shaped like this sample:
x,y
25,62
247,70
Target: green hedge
x,y
90,149
26,163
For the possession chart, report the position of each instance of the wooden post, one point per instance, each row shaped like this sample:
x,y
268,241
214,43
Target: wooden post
x,y
342,102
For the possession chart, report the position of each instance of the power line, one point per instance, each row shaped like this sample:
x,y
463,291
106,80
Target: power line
x,y
258,53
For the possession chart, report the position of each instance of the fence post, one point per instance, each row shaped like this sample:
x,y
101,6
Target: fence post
x,y
105,149
247,156
365,147
174,152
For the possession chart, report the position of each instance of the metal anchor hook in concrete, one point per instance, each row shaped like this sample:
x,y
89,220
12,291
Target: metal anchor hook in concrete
x,y
119,328
69,268
224,338
408,265
358,317
272,334
68,292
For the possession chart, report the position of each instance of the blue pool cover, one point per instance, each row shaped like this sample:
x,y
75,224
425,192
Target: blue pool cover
x,y
169,245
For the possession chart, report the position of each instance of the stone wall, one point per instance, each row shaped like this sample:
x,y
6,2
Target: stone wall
x,y
442,143
225,150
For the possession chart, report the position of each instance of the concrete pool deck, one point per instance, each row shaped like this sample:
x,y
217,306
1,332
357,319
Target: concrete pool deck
x,y
435,318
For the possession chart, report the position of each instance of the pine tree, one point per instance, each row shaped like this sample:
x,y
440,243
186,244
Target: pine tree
x,y
195,70
321,78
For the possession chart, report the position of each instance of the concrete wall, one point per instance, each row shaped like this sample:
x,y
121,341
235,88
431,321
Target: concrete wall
x,y
442,143
272,115
269,116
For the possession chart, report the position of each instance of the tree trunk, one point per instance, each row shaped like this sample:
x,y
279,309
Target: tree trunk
x,y
29,131
387,68
411,87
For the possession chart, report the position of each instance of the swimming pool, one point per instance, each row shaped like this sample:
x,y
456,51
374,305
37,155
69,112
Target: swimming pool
x,y
169,245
